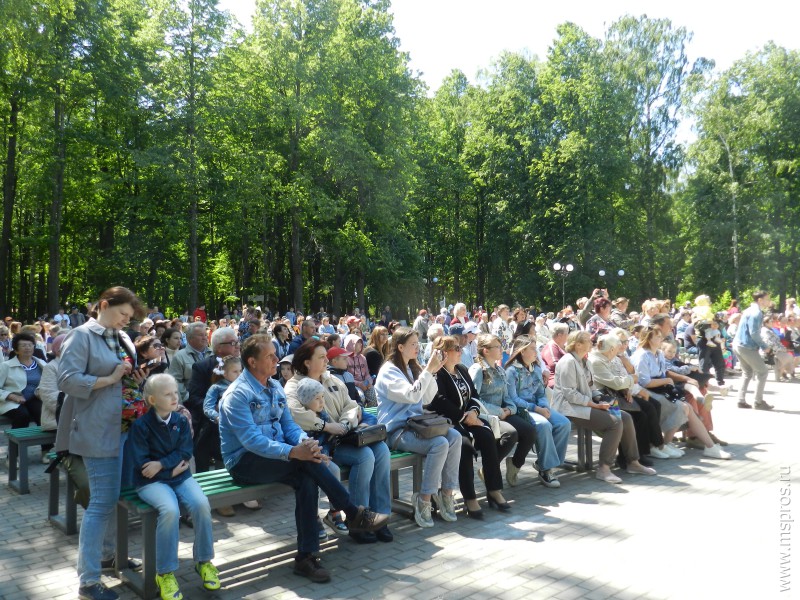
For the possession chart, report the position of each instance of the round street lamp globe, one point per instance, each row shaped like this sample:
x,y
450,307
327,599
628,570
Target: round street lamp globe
x,y
602,273
621,272
556,266
569,268
435,280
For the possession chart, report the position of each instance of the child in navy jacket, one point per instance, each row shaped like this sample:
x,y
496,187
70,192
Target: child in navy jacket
x,y
160,443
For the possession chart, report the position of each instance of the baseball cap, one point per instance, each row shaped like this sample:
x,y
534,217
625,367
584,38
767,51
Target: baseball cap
x,y
335,352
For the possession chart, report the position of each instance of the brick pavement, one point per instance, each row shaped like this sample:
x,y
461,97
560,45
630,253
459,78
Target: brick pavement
x,y
700,529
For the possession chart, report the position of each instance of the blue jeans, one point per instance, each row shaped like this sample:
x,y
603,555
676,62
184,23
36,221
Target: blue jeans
x,y
306,478
97,539
164,498
369,483
442,457
552,437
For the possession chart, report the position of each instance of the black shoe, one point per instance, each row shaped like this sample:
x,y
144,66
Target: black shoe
x,y
310,567
763,406
743,404
366,520
643,460
475,514
186,520
504,507
134,564
96,591
363,537
384,535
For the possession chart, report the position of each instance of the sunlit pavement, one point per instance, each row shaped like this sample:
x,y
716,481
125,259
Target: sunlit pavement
x,y
701,528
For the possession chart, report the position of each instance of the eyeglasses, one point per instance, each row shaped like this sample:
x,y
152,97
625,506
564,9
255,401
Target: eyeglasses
x,y
157,345
456,349
232,343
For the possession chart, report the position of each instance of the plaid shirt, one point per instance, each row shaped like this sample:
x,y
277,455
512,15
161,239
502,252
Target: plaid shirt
x,y
111,337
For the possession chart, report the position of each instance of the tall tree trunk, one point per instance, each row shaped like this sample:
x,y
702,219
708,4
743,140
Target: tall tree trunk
x,y
480,279
191,132
9,196
56,208
361,279
338,285
296,262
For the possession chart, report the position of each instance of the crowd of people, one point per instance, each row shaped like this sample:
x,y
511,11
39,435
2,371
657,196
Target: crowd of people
x,y
143,401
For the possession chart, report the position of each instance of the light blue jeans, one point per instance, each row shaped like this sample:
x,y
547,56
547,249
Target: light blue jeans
x,y
165,498
368,483
98,535
442,457
552,437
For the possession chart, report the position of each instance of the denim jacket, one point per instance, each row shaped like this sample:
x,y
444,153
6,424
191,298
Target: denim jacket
x,y
492,388
749,333
525,386
254,418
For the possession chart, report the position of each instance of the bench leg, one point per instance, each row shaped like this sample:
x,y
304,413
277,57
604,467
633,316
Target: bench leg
x,y
13,455
144,583
18,475
70,508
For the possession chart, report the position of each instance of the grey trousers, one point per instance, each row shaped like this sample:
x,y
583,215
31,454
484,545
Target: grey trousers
x,y
752,364
615,431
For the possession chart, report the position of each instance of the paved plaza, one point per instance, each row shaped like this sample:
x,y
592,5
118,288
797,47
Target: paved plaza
x,y
701,529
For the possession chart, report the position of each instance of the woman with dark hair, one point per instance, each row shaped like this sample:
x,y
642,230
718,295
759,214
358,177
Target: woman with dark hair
x,y
171,340
19,378
281,337
368,483
150,354
456,400
102,400
404,390
600,322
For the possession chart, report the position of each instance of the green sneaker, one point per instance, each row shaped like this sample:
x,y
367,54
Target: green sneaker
x,y
168,587
209,575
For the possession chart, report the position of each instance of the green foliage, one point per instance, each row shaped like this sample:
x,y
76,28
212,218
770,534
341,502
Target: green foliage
x,y
151,143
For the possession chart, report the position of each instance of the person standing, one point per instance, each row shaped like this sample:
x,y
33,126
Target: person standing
x,y
746,345
96,359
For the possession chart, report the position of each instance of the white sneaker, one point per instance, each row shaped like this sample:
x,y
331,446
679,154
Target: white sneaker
x,y
673,451
723,390
447,506
717,452
422,511
656,452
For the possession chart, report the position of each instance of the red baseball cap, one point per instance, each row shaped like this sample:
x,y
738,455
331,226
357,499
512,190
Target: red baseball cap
x,y
335,351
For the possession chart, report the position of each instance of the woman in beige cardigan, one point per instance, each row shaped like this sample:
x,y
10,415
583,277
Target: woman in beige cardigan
x,y
368,482
19,378
574,398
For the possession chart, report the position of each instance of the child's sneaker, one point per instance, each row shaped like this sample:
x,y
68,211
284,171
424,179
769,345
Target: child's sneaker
x,y
335,521
168,587
209,574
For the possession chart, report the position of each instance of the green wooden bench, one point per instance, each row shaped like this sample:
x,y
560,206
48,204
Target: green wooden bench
x,y
19,440
221,490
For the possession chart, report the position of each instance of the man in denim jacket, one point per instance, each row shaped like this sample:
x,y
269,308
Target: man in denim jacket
x,y
262,444
746,345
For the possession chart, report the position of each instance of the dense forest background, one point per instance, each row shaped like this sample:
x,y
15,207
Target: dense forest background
x,y
158,145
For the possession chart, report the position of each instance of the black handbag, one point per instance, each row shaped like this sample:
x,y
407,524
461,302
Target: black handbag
x,y
621,398
364,435
671,393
